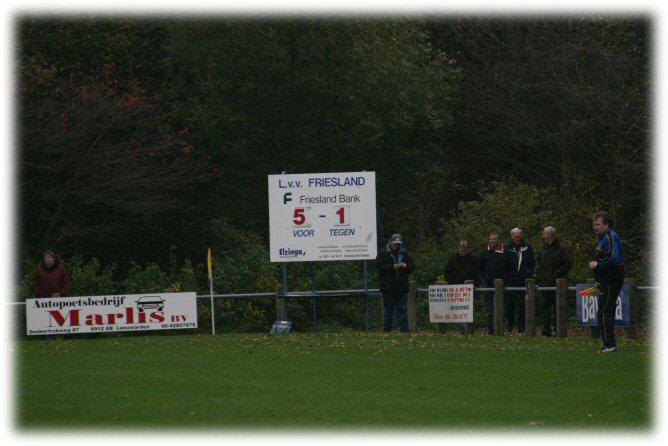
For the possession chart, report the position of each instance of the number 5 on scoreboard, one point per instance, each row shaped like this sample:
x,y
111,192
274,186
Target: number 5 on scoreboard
x,y
299,216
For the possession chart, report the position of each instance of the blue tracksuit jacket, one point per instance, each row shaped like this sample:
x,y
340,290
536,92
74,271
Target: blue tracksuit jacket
x,y
610,258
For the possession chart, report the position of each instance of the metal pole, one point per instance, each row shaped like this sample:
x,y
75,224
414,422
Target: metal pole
x,y
285,286
314,299
285,275
380,244
213,320
366,296
209,268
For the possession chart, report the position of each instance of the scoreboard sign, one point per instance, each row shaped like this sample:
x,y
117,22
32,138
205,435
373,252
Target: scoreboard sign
x,y
322,217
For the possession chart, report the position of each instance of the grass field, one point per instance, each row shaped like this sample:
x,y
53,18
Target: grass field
x,y
333,380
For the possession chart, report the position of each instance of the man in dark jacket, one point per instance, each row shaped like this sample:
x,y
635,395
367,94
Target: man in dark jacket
x,y
52,279
608,267
553,262
461,266
523,266
494,263
394,265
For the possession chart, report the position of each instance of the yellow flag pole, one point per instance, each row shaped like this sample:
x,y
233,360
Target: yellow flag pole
x,y
209,264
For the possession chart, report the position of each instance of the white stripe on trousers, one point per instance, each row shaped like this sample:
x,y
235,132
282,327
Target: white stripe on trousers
x,y
603,319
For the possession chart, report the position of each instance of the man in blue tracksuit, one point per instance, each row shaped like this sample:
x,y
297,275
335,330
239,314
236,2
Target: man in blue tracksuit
x,y
394,265
608,267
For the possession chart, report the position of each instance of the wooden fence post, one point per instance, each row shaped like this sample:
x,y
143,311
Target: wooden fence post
x,y
631,332
470,328
530,309
562,289
412,308
498,307
281,305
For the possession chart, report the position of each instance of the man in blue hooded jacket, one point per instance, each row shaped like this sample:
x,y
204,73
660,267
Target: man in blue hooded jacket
x,y
394,265
608,266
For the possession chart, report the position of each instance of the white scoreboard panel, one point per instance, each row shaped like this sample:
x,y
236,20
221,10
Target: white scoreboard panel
x,y
322,217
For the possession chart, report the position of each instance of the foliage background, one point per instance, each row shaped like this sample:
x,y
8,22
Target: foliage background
x,y
143,142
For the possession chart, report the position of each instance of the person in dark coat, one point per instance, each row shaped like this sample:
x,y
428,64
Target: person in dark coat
x,y
461,266
494,263
608,268
552,262
52,279
394,266
523,266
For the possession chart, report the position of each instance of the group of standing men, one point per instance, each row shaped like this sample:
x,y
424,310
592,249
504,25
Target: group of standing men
x,y
514,262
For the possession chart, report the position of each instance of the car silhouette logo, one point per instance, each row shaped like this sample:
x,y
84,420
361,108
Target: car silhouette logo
x,y
146,302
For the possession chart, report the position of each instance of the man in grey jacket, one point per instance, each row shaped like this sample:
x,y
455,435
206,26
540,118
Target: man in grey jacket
x,y
553,262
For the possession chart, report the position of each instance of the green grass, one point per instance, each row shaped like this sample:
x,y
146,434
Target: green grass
x,y
333,380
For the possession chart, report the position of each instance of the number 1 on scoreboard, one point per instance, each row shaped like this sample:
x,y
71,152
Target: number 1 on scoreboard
x,y
343,216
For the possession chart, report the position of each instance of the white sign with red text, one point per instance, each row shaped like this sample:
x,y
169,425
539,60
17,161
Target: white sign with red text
x,y
111,314
451,303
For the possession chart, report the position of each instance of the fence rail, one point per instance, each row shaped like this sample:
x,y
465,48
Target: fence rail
x,y
498,290
372,292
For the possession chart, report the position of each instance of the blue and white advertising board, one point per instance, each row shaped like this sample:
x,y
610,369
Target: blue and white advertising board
x,y
587,307
322,217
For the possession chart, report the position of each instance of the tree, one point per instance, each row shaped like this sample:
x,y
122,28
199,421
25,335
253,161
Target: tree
x,y
310,96
99,170
556,103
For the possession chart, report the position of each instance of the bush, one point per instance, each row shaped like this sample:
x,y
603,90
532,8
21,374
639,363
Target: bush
x,y
241,264
87,278
148,279
90,279
504,205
